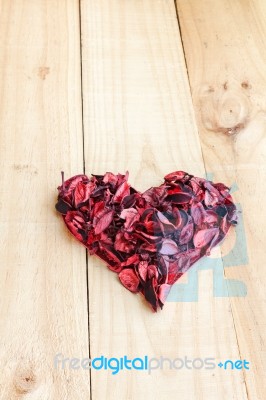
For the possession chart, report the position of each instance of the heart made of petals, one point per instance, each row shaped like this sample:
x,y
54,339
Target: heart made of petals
x,y
149,239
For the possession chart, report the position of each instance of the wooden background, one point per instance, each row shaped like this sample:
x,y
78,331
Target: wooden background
x,y
148,86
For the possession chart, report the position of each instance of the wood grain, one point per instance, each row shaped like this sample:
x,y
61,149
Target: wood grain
x,y
138,116
225,44
43,270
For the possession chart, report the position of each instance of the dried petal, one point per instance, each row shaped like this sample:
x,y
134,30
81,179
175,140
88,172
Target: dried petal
x,y
179,198
129,279
74,221
186,234
150,293
104,222
123,244
203,237
210,199
175,176
121,192
198,213
211,217
173,272
169,247
143,269
131,216
62,206
82,193
163,219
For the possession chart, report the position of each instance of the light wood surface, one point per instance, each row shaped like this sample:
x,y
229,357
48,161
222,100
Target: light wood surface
x,y
226,42
43,271
106,85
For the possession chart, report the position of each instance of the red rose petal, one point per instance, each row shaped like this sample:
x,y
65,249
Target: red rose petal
x,y
186,233
82,193
169,247
203,237
129,279
143,270
131,216
175,176
121,192
174,272
198,213
179,198
104,222
74,221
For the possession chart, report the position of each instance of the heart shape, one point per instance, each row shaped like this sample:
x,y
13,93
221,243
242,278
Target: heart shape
x,y
150,239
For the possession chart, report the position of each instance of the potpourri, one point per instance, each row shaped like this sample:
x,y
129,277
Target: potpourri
x,y
149,239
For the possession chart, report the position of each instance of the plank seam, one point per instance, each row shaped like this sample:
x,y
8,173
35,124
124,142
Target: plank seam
x,y
81,87
190,91
181,38
84,171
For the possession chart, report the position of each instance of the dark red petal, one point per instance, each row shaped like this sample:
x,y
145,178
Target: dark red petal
x,y
173,272
164,219
108,254
203,237
62,206
198,213
169,247
175,176
109,177
211,217
98,211
150,293
174,190
74,222
210,199
121,192
71,183
132,260
152,247
179,198
82,193
123,244
131,216
186,234
104,222
155,195
143,235
152,272
129,279
143,269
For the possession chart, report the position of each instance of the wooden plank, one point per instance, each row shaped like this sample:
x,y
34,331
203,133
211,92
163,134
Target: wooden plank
x,y
224,45
43,270
138,116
